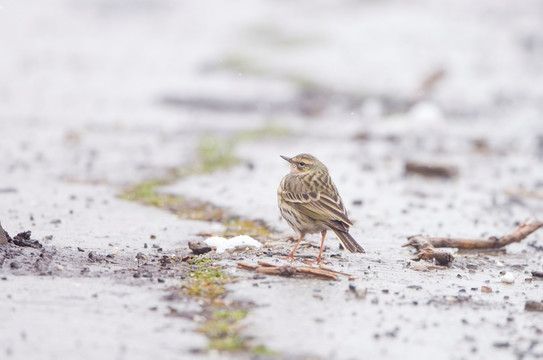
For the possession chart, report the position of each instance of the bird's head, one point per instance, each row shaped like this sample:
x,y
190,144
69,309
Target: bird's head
x,y
304,163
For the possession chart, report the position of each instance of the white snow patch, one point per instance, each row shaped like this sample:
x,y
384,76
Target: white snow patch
x,y
222,244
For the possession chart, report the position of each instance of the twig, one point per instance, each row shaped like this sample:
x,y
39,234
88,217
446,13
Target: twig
x,y
517,235
431,170
428,267
334,271
429,83
426,246
289,270
524,193
247,266
265,264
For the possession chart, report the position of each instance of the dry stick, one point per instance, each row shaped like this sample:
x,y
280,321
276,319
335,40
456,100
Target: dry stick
x,y
334,271
524,193
517,235
426,245
265,264
431,170
247,266
288,270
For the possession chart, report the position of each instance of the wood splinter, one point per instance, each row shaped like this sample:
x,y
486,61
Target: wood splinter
x,y
426,246
289,270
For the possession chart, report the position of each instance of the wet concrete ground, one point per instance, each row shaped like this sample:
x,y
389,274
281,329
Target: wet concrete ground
x,y
99,96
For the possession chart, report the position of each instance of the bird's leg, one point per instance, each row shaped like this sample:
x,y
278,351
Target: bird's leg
x,y
291,255
322,245
319,258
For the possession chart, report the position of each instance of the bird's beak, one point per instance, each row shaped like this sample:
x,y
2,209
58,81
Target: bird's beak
x,y
286,158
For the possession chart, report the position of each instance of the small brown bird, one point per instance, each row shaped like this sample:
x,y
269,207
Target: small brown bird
x,y
310,203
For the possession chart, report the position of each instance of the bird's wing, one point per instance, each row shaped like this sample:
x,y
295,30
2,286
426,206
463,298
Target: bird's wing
x,y
319,206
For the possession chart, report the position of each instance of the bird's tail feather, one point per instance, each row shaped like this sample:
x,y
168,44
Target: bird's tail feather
x,y
349,242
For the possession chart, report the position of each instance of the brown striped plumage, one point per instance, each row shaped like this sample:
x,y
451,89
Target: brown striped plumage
x,y
310,203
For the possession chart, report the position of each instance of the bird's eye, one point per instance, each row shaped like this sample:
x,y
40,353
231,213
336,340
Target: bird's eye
x,y
302,164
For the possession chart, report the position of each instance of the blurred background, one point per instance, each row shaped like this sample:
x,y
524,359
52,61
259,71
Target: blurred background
x,y
119,91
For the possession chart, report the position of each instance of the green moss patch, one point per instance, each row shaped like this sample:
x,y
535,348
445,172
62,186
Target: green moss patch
x,y
205,280
223,331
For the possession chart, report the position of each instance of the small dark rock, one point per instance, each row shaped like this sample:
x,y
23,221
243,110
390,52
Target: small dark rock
x,y
14,265
160,280
199,247
501,344
56,221
531,305
80,249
